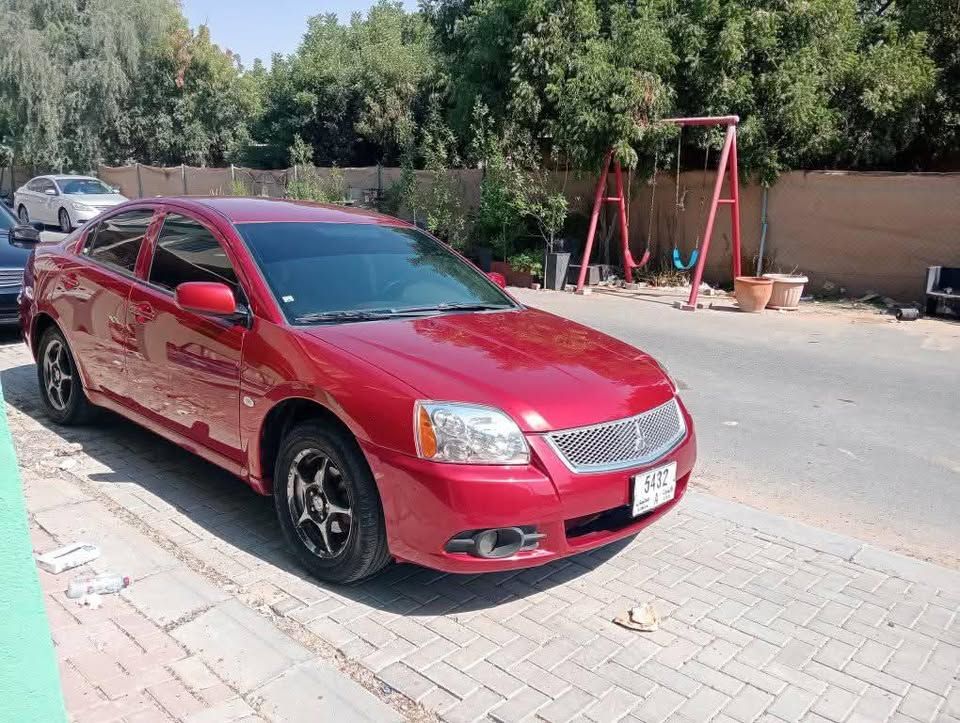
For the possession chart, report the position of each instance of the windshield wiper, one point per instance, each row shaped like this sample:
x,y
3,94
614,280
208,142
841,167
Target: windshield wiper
x,y
462,306
320,317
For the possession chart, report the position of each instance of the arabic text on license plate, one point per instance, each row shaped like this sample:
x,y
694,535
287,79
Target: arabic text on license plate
x,y
653,488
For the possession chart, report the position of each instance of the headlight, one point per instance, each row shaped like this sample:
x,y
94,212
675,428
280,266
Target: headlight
x,y
468,433
77,206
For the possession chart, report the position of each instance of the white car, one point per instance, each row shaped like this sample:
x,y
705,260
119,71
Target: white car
x,y
64,201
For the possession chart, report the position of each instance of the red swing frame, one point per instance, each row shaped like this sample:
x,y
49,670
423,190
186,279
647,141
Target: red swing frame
x,y
726,167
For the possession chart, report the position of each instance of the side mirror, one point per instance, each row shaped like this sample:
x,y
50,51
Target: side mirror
x,y
497,278
115,189
24,235
51,192
206,297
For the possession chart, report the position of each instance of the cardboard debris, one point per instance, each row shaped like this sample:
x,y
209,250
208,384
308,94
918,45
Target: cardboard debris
x,y
68,557
643,618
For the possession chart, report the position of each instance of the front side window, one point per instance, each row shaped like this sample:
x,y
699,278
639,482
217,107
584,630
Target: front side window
x,y
188,251
116,241
329,271
83,186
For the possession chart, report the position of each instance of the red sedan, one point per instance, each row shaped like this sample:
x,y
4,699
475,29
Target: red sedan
x,y
395,401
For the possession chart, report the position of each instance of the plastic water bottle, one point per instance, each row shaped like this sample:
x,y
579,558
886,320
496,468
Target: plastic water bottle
x,y
97,584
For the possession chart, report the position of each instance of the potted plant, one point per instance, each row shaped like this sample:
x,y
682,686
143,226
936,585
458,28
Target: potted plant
x,y
787,290
549,213
752,292
524,267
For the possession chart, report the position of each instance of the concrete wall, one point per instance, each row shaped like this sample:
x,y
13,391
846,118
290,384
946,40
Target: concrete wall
x,y
859,231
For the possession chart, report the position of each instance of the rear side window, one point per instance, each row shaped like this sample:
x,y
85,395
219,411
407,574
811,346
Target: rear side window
x,y
116,241
187,251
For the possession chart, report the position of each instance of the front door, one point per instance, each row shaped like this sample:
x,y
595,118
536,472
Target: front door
x,y
186,366
91,298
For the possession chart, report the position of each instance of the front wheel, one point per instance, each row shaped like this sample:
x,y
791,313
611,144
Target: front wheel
x,y
328,505
65,225
60,388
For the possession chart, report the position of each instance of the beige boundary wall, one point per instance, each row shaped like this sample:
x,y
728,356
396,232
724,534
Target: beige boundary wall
x,y
859,231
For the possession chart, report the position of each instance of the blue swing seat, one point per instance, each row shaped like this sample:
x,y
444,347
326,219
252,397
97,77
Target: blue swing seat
x,y
678,260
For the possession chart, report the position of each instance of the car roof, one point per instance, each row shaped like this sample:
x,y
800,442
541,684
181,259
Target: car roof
x,y
267,210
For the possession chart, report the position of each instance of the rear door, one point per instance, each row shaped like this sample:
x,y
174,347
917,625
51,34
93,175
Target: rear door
x,y
92,298
186,366
47,203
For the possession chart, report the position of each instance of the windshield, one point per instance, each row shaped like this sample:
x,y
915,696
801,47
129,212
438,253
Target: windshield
x,y
83,186
347,272
7,219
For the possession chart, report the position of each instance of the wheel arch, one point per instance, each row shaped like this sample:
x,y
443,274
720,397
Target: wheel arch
x,y
278,421
41,322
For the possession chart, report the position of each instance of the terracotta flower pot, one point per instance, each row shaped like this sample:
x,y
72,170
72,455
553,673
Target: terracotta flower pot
x,y
787,290
752,292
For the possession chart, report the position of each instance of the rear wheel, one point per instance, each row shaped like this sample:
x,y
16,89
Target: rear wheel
x,y
60,388
328,504
64,218
23,214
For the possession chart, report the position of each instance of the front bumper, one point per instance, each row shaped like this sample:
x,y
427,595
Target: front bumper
x,y
427,503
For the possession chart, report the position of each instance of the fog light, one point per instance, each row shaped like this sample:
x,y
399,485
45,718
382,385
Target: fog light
x,y
502,542
496,542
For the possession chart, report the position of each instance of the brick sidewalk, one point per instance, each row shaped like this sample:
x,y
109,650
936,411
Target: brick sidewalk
x,y
762,618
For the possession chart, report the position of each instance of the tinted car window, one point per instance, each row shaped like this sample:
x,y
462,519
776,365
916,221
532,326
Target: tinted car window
x,y
116,241
82,186
46,185
316,268
34,185
187,251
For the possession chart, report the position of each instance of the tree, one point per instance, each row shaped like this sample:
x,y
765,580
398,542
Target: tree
x,y
67,71
193,105
354,92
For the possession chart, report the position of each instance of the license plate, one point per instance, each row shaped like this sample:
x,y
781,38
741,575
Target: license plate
x,y
653,488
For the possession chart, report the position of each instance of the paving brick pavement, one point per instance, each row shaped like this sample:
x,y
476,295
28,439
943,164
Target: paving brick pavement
x,y
762,618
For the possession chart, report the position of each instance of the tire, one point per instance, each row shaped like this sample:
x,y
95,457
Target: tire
x,y
64,218
332,545
63,397
23,214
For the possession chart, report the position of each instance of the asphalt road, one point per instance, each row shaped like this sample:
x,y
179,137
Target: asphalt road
x,y
848,421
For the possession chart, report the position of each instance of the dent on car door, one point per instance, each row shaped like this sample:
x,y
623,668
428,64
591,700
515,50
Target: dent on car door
x,y
185,365
91,298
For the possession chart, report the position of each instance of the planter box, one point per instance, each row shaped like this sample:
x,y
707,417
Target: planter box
x,y
555,270
522,279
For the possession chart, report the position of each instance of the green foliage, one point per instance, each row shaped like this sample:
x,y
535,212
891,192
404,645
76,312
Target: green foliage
x,y
501,154
351,91
308,183
312,185
856,84
527,261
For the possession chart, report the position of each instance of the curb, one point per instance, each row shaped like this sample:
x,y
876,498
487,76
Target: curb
x,y
29,679
849,548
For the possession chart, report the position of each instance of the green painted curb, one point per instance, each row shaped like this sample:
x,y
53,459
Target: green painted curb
x,y
29,680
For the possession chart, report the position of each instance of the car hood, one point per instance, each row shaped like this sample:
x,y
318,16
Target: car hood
x,y
97,199
546,372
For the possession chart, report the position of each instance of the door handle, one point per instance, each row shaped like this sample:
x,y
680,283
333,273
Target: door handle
x,y
71,280
142,313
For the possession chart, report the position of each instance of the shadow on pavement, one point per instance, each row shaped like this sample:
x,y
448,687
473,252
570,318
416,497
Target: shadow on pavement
x,y
228,509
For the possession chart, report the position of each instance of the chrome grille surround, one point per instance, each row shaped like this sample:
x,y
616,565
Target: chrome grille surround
x,y
622,443
11,278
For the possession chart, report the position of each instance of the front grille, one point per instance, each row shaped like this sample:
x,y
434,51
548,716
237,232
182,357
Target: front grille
x,y
623,443
11,278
